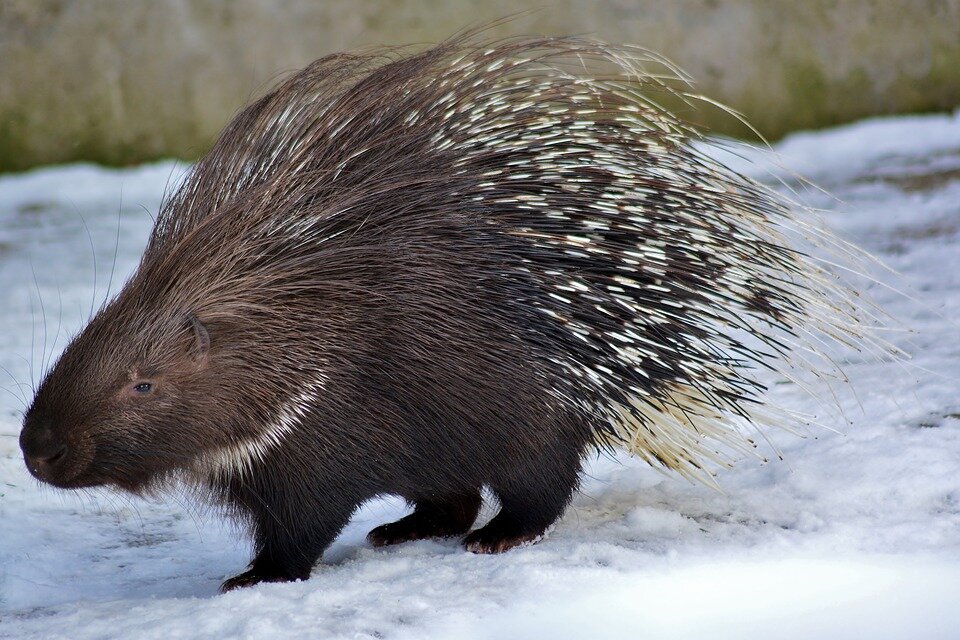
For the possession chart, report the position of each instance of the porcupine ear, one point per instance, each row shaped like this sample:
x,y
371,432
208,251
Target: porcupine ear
x,y
201,343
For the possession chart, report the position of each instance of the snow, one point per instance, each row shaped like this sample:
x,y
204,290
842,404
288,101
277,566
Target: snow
x,y
855,534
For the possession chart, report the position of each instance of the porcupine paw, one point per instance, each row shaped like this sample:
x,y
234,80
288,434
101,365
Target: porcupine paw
x,y
256,575
446,519
497,537
404,530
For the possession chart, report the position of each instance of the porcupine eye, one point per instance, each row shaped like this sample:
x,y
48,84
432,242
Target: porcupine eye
x,y
143,387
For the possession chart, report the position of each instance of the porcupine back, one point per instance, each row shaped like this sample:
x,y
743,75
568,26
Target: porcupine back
x,y
648,280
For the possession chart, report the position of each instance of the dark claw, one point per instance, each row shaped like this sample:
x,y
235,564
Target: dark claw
x,y
252,577
388,534
486,544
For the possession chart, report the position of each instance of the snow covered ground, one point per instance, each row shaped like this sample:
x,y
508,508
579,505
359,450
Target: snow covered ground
x,y
855,535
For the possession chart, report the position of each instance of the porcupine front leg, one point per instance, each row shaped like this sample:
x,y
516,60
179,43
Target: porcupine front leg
x,y
289,535
432,518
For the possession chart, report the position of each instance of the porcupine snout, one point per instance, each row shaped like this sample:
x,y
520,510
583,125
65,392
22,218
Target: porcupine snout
x,y
44,452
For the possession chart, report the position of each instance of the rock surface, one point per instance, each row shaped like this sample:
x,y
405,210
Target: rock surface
x,y
121,82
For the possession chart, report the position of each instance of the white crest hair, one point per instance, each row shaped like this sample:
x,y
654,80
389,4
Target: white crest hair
x,y
239,458
766,249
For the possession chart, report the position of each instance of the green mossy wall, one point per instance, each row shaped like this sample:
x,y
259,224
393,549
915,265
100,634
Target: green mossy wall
x,y
124,81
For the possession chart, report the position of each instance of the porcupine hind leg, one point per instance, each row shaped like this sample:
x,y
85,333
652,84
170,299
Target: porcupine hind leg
x,y
449,517
530,501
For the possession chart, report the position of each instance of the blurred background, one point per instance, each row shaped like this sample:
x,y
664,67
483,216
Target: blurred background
x,y
120,81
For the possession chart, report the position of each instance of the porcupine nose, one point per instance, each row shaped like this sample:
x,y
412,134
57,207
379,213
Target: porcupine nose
x,y
42,450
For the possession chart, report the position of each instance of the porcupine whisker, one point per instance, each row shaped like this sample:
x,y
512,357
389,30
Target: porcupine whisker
x,y
93,258
17,390
116,248
17,397
43,316
56,337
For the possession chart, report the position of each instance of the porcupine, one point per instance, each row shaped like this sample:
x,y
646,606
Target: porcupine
x,y
424,274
